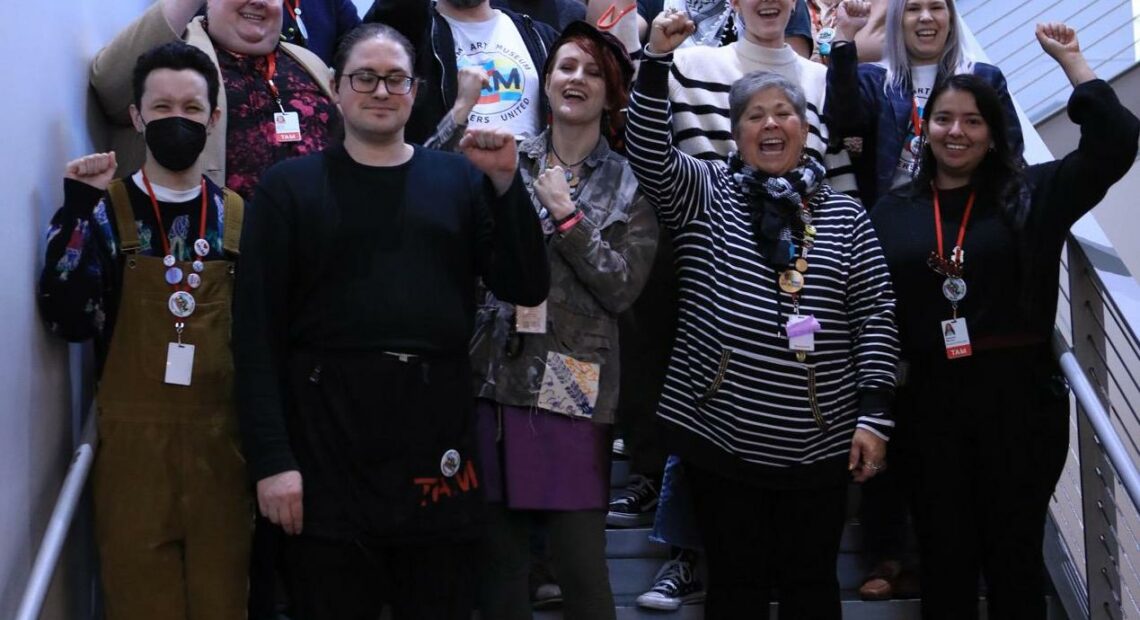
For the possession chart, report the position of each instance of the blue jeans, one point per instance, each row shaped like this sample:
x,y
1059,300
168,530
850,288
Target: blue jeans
x,y
676,523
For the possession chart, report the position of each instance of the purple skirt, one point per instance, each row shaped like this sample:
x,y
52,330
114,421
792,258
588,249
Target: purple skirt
x,y
534,459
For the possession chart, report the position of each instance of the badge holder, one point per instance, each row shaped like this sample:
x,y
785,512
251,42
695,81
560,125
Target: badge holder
x,y
530,319
179,359
955,334
286,125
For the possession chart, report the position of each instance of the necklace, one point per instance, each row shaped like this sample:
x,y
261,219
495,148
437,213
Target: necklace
x,y
563,161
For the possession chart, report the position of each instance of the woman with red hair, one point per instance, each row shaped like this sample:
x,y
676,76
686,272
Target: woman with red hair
x,y
547,377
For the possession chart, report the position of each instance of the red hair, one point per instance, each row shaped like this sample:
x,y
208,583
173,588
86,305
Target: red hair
x,y
617,90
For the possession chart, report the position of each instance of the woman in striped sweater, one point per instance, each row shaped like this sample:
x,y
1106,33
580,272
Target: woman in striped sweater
x,y
781,375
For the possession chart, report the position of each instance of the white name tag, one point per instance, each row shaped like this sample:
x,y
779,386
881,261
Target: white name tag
x,y
288,126
179,363
530,320
801,332
957,338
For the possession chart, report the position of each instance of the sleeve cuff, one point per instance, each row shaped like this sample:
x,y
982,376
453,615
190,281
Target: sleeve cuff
x,y
875,402
879,431
81,198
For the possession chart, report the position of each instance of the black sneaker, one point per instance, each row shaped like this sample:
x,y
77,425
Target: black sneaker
x,y
635,505
676,584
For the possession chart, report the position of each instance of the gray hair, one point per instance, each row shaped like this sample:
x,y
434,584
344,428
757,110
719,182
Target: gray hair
x,y
751,83
896,58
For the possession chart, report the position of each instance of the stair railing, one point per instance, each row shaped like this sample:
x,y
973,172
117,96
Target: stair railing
x,y
62,515
1096,507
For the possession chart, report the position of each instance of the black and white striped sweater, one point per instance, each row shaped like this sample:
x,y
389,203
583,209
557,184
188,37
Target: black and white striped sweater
x,y
735,398
698,90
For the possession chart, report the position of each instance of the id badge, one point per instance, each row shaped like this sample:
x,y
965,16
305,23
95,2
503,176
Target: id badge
x,y
288,126
179,363
957,338
530,320
801,332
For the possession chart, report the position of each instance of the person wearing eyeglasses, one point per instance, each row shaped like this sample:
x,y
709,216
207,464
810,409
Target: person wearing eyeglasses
x,y
351,327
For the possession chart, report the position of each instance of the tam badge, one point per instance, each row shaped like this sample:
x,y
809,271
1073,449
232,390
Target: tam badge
x,y
287,126
957,338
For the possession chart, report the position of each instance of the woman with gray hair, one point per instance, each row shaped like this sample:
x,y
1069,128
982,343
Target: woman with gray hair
x,y
782,372
883,103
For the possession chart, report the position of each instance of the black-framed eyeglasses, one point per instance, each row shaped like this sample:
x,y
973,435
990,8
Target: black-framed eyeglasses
x,y
366,82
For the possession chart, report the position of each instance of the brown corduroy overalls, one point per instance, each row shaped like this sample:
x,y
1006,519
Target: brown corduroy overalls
x,y
173,511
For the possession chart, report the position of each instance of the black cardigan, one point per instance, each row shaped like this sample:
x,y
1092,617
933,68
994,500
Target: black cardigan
x,y
451,231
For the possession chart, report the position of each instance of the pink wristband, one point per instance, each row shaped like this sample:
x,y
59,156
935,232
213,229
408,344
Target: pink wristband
x,y
570,222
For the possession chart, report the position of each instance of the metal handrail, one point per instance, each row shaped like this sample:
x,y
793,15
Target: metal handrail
x,y
1106,434
61,517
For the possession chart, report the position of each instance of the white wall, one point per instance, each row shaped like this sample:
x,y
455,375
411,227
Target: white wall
x,y
46,47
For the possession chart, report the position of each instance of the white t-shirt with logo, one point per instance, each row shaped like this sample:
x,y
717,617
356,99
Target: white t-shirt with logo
x,y
922,78
511,100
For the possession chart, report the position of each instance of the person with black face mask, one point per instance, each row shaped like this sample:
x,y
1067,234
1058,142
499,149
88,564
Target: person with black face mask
x,y
144,266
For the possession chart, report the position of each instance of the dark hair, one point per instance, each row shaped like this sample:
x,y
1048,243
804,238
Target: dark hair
x,y
615,77
998,176
177,56
369,31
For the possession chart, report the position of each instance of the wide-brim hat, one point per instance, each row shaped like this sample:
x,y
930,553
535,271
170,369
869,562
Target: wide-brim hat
x,y
605,41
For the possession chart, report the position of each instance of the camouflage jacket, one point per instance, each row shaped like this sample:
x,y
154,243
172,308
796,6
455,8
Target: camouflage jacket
x,y
597,270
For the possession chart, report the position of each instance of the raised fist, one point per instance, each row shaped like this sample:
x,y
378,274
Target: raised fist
x,y
669,31
96,170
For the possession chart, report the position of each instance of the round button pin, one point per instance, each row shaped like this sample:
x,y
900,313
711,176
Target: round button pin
x,y
194,280
168,260
198,266
201,247
449,464
173,275
181,304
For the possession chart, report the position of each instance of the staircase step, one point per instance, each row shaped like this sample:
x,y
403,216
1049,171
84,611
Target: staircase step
x,y
634,542
853,609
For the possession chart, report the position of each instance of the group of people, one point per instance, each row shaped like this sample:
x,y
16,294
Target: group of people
x,y
392,299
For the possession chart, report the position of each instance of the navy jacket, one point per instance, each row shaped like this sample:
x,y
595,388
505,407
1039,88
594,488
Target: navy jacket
x,y
859,107
326,21
430,35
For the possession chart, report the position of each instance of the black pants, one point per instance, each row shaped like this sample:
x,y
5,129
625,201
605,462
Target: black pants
x,y
646,331
341,580
757,539
577,543
984,439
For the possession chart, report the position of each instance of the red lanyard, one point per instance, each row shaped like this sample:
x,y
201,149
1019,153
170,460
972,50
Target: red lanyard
x,y
916,120
294,8
961,227
270,73
158,218
816,20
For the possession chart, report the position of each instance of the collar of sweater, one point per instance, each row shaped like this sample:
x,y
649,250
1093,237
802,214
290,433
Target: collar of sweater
x,y
753,54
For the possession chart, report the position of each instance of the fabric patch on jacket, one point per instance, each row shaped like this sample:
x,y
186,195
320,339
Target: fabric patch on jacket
x,y
569,386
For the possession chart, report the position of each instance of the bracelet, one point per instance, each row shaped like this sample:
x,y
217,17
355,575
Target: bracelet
x,y
568,223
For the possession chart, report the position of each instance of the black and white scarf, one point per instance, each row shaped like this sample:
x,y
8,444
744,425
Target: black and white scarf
x,y
774,203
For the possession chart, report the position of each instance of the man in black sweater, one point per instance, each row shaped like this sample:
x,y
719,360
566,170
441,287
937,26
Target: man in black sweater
x,y
350,341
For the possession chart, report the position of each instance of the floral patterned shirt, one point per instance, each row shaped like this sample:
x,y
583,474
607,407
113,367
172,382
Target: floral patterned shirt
x,y
251,137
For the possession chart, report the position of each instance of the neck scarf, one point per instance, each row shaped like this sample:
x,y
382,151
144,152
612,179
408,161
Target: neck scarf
x,y
774,203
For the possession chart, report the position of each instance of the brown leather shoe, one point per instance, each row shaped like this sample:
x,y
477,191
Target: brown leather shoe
x,y
881,581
